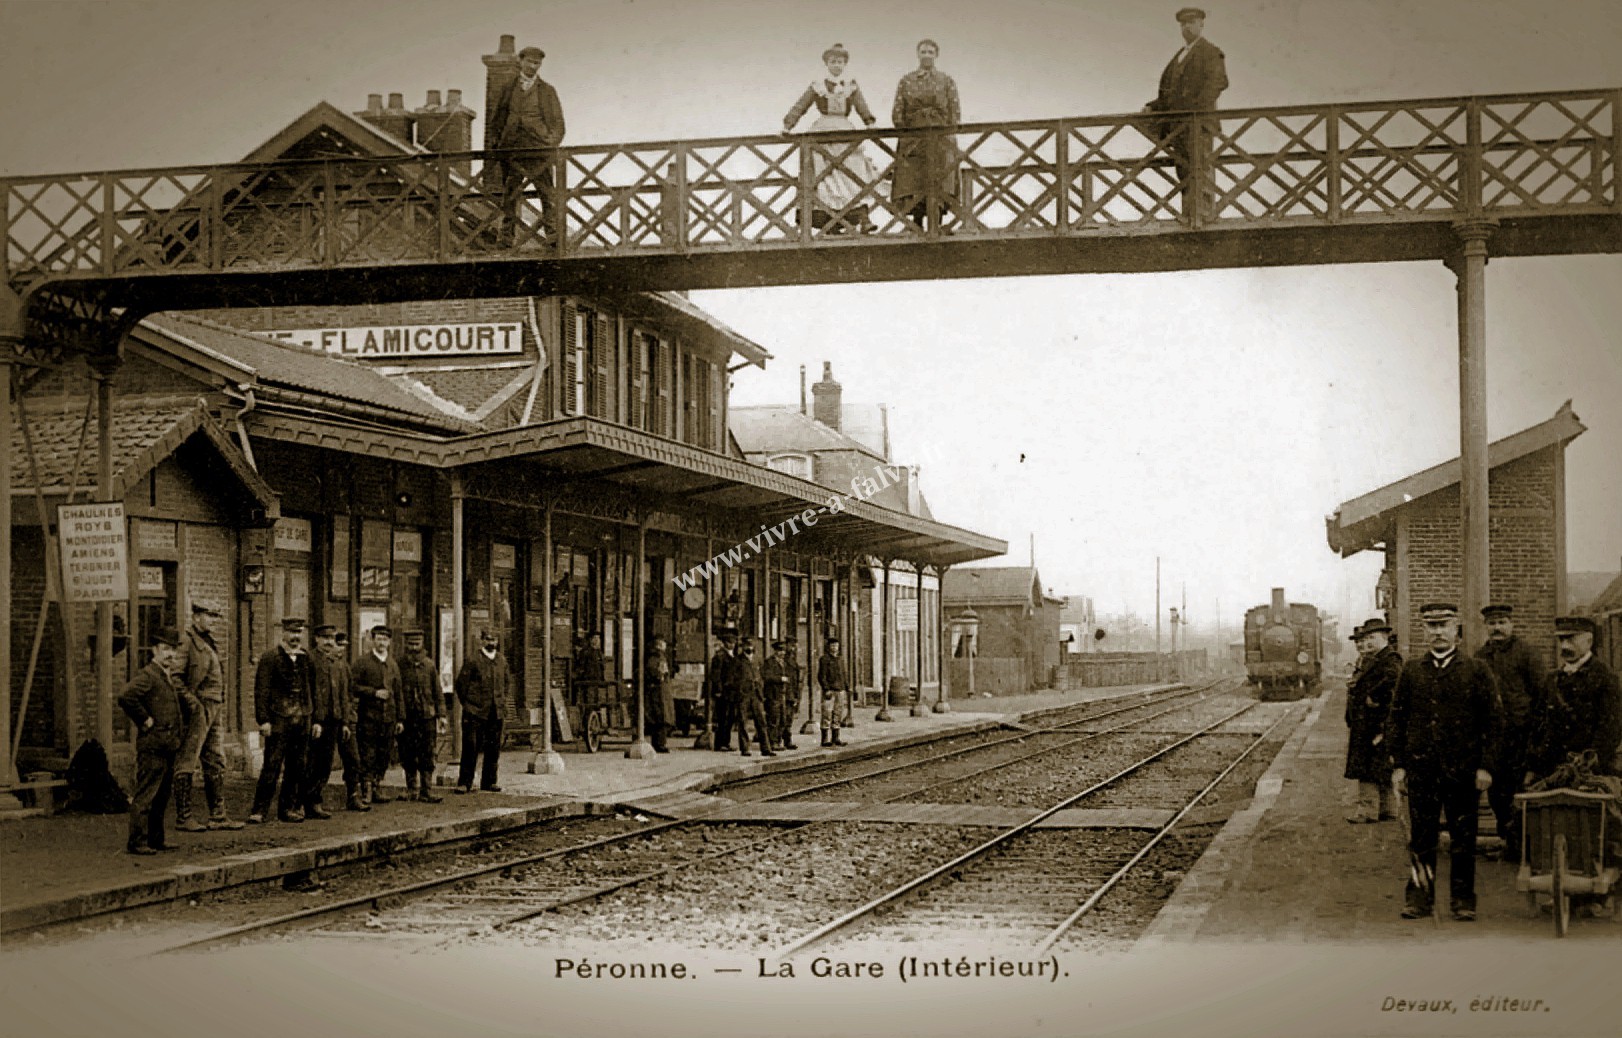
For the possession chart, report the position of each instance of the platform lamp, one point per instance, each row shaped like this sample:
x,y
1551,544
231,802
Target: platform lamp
x,y
966,625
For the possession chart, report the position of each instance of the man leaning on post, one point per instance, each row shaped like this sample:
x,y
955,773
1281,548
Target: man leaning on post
x,y
156,706
1442,733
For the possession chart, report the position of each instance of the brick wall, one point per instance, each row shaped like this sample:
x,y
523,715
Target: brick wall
x,y
39,726
1524,561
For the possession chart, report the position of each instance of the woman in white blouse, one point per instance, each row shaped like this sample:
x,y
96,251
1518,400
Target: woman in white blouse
x,y
842,168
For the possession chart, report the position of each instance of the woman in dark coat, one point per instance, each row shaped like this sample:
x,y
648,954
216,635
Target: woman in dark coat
x,y
1368,700
925,166
661,704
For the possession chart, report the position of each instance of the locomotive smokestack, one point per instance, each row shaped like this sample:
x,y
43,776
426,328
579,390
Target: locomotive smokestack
x,y
1278,600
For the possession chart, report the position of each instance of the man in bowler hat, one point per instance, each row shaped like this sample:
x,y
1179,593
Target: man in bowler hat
x,y
1442,733
1368,699
283,702
157,706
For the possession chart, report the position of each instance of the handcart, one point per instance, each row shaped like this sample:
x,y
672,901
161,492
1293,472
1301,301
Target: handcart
x,y
598,708
1569,851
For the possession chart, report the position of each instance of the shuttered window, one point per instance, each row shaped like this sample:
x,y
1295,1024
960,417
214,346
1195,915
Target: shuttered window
x,y
602,368
664,404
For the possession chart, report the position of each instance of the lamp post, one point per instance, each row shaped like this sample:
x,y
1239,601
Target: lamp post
x,y
967,626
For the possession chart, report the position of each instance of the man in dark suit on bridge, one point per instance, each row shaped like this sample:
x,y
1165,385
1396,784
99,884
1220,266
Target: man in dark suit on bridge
x,y
527,115
1191,82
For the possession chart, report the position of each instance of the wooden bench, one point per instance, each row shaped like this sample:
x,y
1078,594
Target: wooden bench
x,y
37,793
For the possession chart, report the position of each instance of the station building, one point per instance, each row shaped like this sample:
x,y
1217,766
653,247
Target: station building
x,y
1415,523
545,467
1017,648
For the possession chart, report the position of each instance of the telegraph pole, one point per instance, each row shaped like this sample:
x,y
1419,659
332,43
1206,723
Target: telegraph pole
x,y
1159,671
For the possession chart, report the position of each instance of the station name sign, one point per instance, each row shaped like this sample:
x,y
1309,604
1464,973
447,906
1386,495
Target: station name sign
x,y
410,340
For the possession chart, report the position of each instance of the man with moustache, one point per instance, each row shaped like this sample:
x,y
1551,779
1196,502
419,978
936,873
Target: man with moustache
x,y
1582,709
482,687
157,707
1441,733
283,702
1520,680
778,675
526,115
422,705
335,713
1191,82
1368,700
376,677
199,670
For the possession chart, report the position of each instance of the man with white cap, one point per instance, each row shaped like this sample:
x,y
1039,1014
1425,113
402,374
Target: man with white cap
x,y
1442,732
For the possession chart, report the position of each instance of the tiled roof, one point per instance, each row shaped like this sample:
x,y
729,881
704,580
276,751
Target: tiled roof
x,y
767,429
56,425
469,388
991,585
304,369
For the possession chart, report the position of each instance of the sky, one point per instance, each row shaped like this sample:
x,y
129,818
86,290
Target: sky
x,y
1211,418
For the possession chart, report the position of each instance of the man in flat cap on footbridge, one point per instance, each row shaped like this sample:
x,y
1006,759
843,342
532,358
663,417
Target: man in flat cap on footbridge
x,y
1519,674
1442,732
1191,82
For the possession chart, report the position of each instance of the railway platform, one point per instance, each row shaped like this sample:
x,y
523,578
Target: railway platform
x,y
66,867
1265,877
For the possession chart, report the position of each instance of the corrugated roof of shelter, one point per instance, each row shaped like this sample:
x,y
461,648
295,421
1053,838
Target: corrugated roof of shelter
x,y
769,428
992,585
1607,600
1359,524
304,369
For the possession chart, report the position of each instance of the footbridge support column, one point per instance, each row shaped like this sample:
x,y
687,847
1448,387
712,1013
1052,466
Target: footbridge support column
x,y
1469,266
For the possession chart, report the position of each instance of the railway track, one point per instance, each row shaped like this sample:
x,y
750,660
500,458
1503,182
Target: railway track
x,y
497,895
1032,886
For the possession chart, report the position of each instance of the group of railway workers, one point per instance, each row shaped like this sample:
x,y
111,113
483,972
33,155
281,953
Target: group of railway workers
x,y
309,706
1446,727
741,692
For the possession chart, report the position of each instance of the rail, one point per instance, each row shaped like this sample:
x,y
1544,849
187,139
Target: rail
x,y
1495,157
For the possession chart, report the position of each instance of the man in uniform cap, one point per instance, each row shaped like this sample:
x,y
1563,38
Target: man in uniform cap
x,y
1191,81
1368,700
721,681
422,703
157,707
334,703
283,702
751,701
526,114
1582,707
1520,682
1442,732
775,676
657,698
483,687
835,695
376,677
198,669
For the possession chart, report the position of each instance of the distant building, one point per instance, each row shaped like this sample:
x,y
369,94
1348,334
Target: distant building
x,y
1415,522
1018,644
1077,622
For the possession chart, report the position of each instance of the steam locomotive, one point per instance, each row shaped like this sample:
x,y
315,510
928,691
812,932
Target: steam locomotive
x,y
1284,648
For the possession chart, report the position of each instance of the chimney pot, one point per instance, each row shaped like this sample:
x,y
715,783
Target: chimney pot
x,y
828,405
507,42
433,99
453,98
396,102
374,103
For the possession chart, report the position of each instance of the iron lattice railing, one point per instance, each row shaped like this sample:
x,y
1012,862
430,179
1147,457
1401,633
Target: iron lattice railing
x,y
1321,165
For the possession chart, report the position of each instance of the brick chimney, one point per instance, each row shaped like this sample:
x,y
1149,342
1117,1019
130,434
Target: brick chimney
x,y
393,120
828,398
500,69
446,127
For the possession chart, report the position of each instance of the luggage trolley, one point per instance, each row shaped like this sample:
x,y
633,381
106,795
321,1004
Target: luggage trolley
x,y
1568,851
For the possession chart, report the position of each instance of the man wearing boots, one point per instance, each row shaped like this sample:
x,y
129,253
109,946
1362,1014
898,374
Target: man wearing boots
x,y
155,705
526,115
482,688
722,679
283,701
751,702
775,676
423,714
835,698
1442,732
376,678
334,703
1520,681
198,671
1368,699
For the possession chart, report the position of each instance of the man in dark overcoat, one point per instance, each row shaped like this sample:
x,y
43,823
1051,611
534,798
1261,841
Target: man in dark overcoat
x,y
526,115
776,675
1192,81
721,685
656,693
1520,682
1442,732
422,713
482,687
283,703
1368,700
334,703
751,701
1582,709
835,694
157,706
376,678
